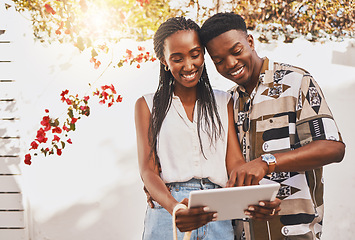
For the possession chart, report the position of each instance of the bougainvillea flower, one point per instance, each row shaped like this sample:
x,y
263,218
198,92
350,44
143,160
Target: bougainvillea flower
x,y
140,48
97,64
73,120
46,110
119,98
104,95
86,98
109,104
49,9
65,128
65,92
46,123
28,159
56,138
59,151
69,141
69,102
34,145
57,130
41,136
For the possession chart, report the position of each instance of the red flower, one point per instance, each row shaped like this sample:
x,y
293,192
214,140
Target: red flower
x,y
129,52
69,141
57,130
104,95
34,145
28,159
56,138
46,110
110,104
138,66
41,136
69,102
86,98
59,152
140,48
49,9
119,98
65,92
73,120
97,64
45,121
66,128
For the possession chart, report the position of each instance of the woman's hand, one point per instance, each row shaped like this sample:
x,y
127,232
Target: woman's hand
x,y
193,218
266,210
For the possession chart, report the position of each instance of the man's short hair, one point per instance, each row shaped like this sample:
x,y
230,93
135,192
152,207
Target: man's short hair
x,y
221,23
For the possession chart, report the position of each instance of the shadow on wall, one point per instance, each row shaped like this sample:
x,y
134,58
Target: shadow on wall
x,y
346,58
117,215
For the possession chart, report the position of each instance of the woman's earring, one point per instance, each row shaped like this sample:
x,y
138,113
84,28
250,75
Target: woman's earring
x,y
166,68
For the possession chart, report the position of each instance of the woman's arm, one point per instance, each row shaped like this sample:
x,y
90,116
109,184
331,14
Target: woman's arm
x,y
148,170
186,219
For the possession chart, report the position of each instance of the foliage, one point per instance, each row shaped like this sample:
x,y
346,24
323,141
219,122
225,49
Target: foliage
x,y
316,20
88,23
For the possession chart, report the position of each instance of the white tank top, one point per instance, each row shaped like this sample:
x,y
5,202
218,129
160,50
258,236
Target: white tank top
x,y
179,149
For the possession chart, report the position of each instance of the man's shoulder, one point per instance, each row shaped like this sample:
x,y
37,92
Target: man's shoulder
x,y
280,66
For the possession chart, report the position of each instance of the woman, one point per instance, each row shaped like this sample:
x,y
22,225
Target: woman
x,y
185,136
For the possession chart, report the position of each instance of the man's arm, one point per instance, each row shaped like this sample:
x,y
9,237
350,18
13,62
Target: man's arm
x,y
311,156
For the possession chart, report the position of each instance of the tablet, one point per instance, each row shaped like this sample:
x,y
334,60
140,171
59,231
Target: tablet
x,y
231,202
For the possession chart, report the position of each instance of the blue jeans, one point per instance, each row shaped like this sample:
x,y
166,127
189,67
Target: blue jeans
x,y
158,221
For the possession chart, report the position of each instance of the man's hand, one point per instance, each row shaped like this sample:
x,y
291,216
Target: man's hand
x,y
248,174
193,218
266,210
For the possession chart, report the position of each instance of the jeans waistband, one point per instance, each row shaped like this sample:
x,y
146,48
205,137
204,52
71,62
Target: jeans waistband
x,y
203,183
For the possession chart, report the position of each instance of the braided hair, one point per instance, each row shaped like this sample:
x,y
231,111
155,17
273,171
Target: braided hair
x,y
221,23
206,103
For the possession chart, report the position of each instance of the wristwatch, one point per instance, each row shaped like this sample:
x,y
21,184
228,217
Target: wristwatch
x,y
271,162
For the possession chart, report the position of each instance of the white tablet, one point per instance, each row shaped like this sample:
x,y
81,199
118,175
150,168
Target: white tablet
x,y
230,203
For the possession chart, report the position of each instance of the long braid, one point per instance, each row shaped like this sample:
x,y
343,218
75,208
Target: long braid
x,y
206,107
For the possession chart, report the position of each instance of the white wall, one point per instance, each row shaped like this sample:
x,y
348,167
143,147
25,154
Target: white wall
x,y
93,191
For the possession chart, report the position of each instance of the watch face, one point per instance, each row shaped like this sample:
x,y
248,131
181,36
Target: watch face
x,y
269,158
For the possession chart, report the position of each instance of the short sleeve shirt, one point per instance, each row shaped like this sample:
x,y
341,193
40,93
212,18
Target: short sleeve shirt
x,y
285,111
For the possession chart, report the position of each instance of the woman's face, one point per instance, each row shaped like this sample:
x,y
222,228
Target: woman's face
x,y
184,56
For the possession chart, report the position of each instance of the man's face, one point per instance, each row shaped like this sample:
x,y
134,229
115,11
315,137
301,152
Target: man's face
x,y
234,57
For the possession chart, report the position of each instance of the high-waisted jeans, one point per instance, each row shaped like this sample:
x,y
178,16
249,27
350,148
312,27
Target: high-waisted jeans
x,y
158,221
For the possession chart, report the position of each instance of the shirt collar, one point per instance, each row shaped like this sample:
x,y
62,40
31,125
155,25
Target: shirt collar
x,y
265,77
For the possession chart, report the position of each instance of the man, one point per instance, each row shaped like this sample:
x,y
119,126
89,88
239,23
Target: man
x,y
285,128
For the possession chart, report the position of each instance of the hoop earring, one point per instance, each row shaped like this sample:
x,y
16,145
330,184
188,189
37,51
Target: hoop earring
x,y
166,68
